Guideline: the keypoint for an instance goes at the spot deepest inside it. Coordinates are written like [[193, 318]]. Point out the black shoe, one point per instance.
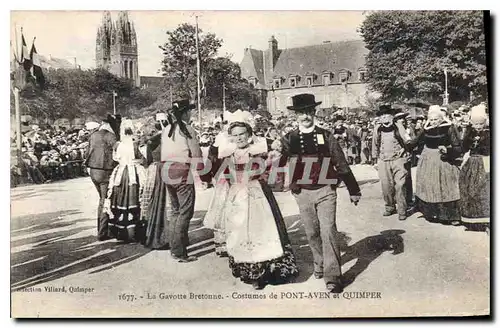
[[104, 238], [402, 217], [184, 259], [318, 275], [334, 287], [389, 212]]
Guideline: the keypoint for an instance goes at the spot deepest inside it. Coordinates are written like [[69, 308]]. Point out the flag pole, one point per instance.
[[198, 73], [445, 100], [18, 120], [17, 46], [114, 104], [223, 96]]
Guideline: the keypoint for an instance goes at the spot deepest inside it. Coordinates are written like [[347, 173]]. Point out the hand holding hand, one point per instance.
[[442, 149], [204, 185]]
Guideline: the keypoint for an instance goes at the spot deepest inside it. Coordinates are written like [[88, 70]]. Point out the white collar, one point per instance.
[[306, 130]]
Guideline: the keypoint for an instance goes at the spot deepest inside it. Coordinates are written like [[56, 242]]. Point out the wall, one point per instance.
[[332, 95]]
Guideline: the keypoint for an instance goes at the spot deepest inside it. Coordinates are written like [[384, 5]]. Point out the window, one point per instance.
[[309, 80], [252, 81], [344, 76], [362, 75], [277, 83], [293, 82], [326, 79]]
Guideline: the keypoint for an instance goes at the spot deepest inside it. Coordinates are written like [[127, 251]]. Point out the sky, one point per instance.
[[70, 34]]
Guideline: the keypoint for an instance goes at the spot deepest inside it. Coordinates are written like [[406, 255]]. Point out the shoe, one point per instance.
[[103, 238], [318, 275], [455, 223], [402, 217], [389, 212], [335, 288], [184, 259]]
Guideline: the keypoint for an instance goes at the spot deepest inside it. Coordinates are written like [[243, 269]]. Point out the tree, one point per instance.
[[72, 93], [408, 51], [222, 72], [179, 67], [179, 62]]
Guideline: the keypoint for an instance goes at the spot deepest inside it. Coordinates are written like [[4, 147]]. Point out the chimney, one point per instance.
[[76, 66], [273, 53]]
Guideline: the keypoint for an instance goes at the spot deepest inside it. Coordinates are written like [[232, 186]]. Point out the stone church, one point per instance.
[[116, 50]]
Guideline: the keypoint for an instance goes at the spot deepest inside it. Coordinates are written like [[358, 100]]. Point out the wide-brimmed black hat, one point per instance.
[[303, 101], [399, 115], [182, 105], [386, 109]]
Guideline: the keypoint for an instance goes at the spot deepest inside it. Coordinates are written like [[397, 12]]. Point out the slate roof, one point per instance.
[[253, 65], [316, 59]]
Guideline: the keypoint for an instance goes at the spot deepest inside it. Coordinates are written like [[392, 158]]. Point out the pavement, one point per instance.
[[394, 268]]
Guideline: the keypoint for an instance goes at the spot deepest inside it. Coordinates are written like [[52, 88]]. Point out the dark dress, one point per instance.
[[437, 192], [475, 180], [124, 223], [154, 199]]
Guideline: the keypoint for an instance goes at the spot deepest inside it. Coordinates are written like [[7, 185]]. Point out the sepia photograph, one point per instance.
[[250, 164]]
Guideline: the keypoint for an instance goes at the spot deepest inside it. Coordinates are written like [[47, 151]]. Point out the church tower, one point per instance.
[[116, 47]]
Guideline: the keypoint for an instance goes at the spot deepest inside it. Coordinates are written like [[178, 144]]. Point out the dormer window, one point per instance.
[[309, 80], [344, 76], [362, 74], [252, 81], [326, 79], [293, 80], [277, 83]]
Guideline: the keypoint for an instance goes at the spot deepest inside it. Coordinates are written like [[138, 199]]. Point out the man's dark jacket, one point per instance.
[[100, 151]]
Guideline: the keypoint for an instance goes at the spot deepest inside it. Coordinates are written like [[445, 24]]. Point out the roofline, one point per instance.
[[321, 44]]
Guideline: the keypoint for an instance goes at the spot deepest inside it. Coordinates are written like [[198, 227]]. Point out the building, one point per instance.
[[116, 47], [333, 71]]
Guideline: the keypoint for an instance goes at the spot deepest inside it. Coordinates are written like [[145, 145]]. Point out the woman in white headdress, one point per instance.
[[257, 243], [437, 192], [124, 189], [214, 219], [475, 174]]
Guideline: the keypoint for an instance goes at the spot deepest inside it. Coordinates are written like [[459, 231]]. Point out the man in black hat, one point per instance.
[[315, 187], [179, 146], [391, 153], [100, 164]]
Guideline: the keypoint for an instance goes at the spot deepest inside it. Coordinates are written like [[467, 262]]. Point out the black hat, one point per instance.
[[303, 101], [182, 105], [386, 109], [400, 115]]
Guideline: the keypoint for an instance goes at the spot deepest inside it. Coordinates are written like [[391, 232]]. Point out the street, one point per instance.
[[393, 268]]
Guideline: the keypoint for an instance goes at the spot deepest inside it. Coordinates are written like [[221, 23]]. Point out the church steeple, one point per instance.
[[116, 46]]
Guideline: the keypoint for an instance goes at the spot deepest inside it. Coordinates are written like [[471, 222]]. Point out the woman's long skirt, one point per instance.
[[155, 198], [257, 242], [214, 218], [437, 194], [125, 223], [475, 190]]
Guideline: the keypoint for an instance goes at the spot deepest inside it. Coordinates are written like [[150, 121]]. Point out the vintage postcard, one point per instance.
[[249, 164]]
